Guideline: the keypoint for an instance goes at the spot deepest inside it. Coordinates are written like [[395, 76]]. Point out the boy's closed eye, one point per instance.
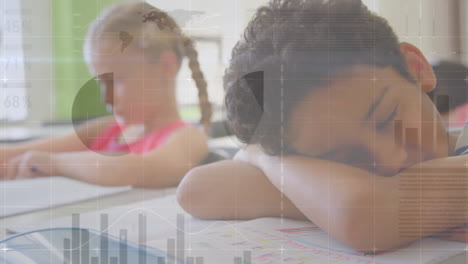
[[385, 124]]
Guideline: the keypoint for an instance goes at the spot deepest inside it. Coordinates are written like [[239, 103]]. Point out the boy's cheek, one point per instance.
[[300, 147]]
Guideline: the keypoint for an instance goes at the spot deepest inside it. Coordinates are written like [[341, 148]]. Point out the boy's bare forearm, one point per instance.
[[433, 193], [372, 212], [233, 190]]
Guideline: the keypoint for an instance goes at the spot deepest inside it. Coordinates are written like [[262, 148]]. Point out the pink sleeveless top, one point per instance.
[[461, 115], [107, 141]]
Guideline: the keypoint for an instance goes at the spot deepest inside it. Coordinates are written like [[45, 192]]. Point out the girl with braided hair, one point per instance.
[[136, 51]]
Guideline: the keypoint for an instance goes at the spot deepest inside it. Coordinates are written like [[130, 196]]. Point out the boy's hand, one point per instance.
[[30, 164]]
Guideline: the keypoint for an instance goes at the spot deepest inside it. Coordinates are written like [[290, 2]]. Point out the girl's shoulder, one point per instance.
[[92, 129], [174, 133]]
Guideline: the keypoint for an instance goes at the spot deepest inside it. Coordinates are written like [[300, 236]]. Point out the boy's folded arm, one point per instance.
[[369, 212], [232, 189]]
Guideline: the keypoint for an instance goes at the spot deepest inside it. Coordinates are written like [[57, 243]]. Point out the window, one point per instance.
[[14, 102], [210, 58], [373, 5]]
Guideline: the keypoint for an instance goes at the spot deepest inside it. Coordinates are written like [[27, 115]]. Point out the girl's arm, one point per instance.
[[232, 189], [369, 212], [78, 140], [162, 167]]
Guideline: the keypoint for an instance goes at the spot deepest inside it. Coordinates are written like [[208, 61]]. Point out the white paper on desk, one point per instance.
[[27, 195], [270, 240]]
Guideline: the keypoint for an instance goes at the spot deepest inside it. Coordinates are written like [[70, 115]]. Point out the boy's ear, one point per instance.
[[418, 66]]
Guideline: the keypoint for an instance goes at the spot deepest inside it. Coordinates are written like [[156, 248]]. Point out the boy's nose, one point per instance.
[[391, 159], [394, 163]]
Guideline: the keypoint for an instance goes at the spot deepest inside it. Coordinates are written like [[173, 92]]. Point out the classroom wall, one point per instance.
[[218, 18], [431, 25]]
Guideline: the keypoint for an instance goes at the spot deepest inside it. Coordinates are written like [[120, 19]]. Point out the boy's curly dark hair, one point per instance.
[[292, 46]]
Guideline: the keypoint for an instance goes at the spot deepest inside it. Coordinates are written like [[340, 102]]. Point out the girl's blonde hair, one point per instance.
[[154, 32]]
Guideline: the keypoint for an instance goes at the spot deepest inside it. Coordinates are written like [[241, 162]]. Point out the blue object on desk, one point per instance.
[[75, 245]]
